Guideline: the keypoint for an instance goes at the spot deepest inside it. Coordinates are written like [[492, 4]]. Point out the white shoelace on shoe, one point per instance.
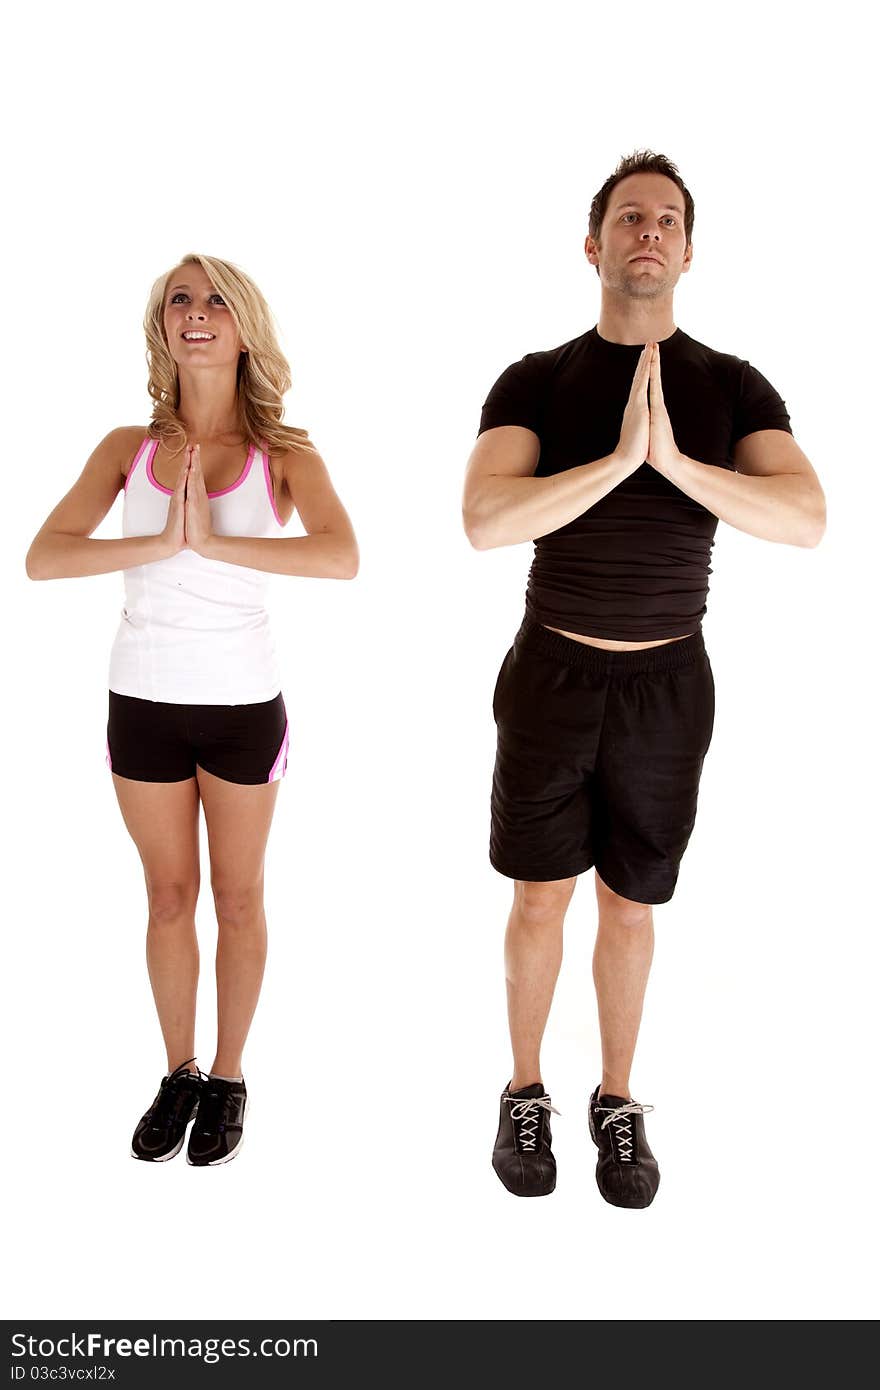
[[525, 1113], [618, 1115]]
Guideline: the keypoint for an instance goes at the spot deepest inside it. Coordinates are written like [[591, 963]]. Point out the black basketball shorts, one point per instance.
[[598, 762], [152, 741]]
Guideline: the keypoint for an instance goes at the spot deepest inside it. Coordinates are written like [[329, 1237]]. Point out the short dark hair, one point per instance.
[[640, 162]]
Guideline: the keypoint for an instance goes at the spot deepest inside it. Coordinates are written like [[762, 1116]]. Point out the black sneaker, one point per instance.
[[627, 1171], [161, 1132], [217, 1133], [522, 1157]]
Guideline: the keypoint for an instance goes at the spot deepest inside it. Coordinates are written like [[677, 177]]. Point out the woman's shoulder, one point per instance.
[[286, 456], [127, 441]]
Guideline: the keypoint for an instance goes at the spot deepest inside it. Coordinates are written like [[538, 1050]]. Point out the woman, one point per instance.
[[196, 712]]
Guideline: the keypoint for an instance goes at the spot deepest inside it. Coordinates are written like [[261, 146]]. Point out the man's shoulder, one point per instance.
[[692, 347], [546, 359]]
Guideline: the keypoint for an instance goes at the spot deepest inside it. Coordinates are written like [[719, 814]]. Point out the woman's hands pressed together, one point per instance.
[[199, 528], [189, 523], [174, 535]]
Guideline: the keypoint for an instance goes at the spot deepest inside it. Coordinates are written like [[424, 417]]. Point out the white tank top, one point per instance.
[[195, 631]]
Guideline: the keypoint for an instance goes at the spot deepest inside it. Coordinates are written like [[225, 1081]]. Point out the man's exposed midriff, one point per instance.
[[613, 646]]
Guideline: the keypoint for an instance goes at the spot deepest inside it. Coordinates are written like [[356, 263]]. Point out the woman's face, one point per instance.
[[200, 329]]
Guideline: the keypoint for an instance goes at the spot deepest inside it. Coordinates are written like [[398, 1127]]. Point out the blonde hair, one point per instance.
[[263, 371]]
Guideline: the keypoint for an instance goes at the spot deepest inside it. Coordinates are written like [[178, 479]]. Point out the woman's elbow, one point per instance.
[[348, 562], [34, 564]]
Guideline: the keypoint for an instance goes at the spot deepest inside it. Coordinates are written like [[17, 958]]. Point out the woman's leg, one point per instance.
[[163, 820], [238, 820]]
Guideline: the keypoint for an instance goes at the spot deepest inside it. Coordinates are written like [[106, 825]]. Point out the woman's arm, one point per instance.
[[63, 549], [328, 551]]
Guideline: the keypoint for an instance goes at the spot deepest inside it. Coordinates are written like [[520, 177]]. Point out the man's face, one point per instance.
[[644, 218]]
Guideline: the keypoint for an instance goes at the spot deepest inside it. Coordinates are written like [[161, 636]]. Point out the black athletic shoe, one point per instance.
[[627, 1171], [522, 1157], [161, 1132], [217, 1133]]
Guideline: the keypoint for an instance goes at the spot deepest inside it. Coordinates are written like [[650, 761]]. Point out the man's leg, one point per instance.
[[626, 1171], [621, 964], [523, 1158], [532, 957]]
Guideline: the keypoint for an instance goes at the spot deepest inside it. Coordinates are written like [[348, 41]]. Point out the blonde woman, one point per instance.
[[196, 714]]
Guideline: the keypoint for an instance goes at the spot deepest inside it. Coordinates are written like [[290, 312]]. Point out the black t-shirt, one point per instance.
[[635, 566]]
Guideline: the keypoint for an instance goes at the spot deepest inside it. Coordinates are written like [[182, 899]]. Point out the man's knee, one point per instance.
[[539, 904], [620, 911]]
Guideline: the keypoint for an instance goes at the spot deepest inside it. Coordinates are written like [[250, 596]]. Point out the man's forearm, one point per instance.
[[782, 507], [506, 511]]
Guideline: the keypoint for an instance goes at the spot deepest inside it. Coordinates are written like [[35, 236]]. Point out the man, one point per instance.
[[605, 703]]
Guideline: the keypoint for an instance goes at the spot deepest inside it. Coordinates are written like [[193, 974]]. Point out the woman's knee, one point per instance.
[[237, 903], [172, 900], [539, 904]]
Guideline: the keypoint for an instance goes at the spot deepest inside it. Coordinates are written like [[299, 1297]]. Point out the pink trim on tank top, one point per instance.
[[223, 491], [137, 458], [268, 476], [247, 468], [168, 491]]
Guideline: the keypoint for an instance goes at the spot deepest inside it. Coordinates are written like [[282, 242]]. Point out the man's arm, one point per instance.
[[774, 493], [505, 504]]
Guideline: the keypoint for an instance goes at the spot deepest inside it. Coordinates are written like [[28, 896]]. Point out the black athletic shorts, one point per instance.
[[151, 741], [598, 760]]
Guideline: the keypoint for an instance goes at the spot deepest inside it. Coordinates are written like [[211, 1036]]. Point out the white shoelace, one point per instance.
[[618, 1115], [524, 1112]]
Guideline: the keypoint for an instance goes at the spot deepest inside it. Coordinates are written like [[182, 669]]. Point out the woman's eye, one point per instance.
[[181, 295]]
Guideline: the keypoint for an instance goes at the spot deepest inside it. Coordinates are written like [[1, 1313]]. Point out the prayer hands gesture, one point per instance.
[[199, 529], [189, 511], [646, 432]]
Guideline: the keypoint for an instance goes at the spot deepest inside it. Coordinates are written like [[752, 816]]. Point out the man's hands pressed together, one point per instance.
[[646, 431], [662, 451]]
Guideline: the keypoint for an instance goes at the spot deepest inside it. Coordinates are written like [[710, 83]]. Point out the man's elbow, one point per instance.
[[817, 523], [476, 530]]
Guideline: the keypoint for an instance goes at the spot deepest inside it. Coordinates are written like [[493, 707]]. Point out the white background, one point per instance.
[[410, 187]]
